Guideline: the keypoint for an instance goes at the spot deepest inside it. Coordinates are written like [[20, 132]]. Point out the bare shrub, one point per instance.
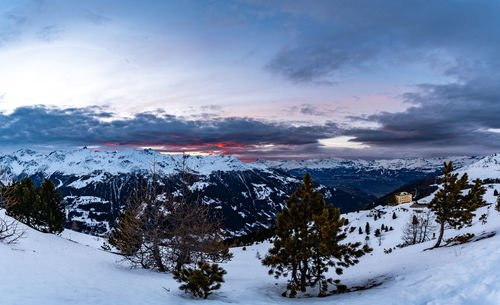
[[419, 228], [10, 232], [194, 236], [142, 229], [164, 232], [459, 239]]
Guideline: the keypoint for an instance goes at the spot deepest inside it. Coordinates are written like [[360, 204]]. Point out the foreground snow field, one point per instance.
[[71, 269]]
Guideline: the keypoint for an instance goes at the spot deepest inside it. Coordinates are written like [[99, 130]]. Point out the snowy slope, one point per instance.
[[486, 168], [47, 269]]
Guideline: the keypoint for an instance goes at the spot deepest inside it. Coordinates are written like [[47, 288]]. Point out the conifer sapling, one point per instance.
[[200, 281]]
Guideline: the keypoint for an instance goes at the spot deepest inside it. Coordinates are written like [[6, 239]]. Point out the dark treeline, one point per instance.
[[41, 207]]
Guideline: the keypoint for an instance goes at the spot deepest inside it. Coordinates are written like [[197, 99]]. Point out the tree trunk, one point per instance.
[[424, 231], [157, 258], [182, 259], [294, 273], [303, 277], [441, 231]]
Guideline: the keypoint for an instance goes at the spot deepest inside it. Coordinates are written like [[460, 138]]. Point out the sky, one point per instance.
[[256, 79]]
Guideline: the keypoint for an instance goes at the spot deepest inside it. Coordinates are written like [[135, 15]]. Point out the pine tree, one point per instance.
[[307, 242], [326, 234], [394, 215], [41, 208], [22, 201], [52, 213], [475, 196], [200, 281], [377, 233], [292, 248], [360, 230], [127, 236], [450, 206], [495, 193], [367, 228]]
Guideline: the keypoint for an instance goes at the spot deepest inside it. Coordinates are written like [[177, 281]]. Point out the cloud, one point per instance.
[[451, 118], [313, 110], [94, 126], [334, 37], [96, 18], [49, 33], [46, 21]]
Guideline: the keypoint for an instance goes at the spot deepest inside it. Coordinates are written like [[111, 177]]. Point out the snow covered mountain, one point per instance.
[[85, 161], [97, 184], [373, 177]]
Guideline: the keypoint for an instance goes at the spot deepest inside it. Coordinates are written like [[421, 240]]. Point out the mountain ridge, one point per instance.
[[411, 163]]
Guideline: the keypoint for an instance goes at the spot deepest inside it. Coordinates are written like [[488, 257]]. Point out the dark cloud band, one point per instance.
[[92, 126], [456, 118]]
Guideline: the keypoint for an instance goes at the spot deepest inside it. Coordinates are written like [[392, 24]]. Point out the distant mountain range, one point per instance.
[[247, 196], [370, 177]]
